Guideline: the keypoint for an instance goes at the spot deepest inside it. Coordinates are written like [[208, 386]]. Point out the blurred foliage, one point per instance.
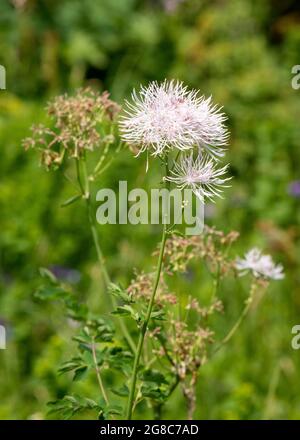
[[241, 52]]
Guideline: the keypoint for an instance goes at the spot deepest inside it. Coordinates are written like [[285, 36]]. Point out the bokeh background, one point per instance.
[[239, 51]]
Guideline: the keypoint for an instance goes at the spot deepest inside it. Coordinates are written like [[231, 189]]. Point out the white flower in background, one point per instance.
[[172, 5], [166, 115], [262, 266], [201, 175]]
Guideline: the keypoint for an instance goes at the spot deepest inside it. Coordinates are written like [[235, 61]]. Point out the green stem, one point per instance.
[[148, 314], [145, 326], [101, 386], [162, 343], [84, 184], [216, 283], [159, 408], [237, 324], [235, 327], [174, 385], [87, 196]]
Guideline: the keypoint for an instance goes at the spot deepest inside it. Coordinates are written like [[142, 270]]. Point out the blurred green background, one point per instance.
[[241, 52]]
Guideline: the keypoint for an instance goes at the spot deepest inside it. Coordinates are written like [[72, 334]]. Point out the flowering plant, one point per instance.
[[152, 342]]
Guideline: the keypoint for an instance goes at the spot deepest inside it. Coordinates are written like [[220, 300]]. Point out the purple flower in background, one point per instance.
[[171, 5], [66, 274], [294, 189]]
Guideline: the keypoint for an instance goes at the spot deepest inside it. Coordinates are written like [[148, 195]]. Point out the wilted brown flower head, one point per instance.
[[189, 347], [185, 345], [141, 287], [212, 245], [204, 312], [76, 125]]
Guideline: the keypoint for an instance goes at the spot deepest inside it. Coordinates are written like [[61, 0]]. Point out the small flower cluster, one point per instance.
[[167, 116], [185, 345], [212, 246], [204, 312], [141, 287], [187, 352], [76, 121], [188, 347]]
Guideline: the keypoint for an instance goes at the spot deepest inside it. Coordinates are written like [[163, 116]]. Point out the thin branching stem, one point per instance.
[[235, 327], [144, 328], [98, 373], [83, 180]]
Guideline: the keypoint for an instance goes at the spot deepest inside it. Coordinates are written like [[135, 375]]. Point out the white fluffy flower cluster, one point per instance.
[[199, 174], [168, 116], [262, 266]]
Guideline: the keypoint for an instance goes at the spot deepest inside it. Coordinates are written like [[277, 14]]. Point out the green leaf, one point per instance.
[[71, 200], [121, 310], [120, 360], [46, 273], [70, 365], [154, 376], [80, 373], [68, 406], [115, 410], [127, 310], [53, 289], [123, 391], [50, 292], [120, 293], [106, 411], [154, 392], [158, 315]]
